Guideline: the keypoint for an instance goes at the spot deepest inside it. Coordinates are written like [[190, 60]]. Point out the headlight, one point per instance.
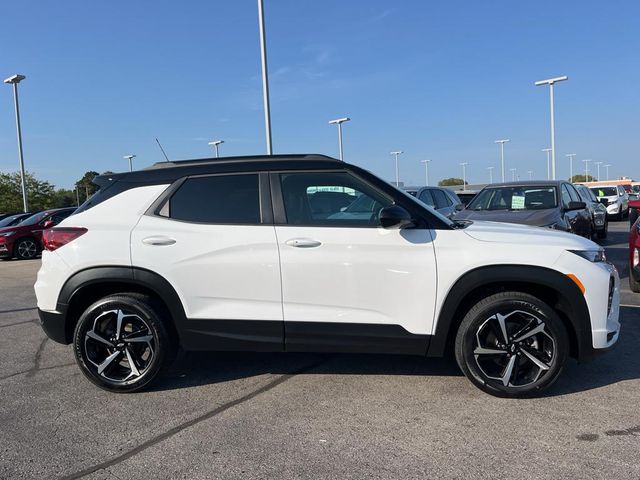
[[591, 255], [6, 234]]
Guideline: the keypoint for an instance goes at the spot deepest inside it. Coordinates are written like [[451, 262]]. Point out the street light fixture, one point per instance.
[[586, 169], [551, 82], [130, 158], [215, 145], [502, 142], [15, 80], [426, 171], [464, 175], [490, 174], [571, 155], [339, 122], [265, 77], [395, 154], [607, 167], [548, 150]]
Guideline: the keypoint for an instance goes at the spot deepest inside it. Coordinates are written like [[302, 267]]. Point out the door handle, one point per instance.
[[303, 243], [158, 241]]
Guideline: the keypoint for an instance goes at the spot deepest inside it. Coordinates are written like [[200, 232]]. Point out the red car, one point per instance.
[[634, 254], [24, 241]]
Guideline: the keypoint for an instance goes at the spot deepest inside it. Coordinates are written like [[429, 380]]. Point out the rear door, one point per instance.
[[347, 283], [213, 239]]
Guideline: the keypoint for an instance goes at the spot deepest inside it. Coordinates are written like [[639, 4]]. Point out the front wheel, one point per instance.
[[512, 344], [26, 249], [121, 342], [605, 231]]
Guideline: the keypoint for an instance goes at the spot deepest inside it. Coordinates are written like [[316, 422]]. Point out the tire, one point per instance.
[[26, 249], [512, 370], [602, 234], [129, 360], [634, 285]]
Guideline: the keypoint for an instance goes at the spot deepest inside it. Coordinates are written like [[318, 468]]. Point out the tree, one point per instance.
[[582, 178], [450, 182], [85, 185], [40, 194]]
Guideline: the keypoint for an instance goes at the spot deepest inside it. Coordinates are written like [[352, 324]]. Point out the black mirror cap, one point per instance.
[[604, 201], [394, 216], [460, 206], [576, 206]]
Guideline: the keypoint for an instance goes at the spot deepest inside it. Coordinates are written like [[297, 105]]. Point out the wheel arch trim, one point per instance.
[[570, 302], [123, 275]]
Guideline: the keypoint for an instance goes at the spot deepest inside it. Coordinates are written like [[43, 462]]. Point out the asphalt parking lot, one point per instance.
[[309, 416]]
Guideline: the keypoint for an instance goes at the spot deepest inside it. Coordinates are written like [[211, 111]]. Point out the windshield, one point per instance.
[[515, 198], [605, 191], [10, 220], [33, 219]]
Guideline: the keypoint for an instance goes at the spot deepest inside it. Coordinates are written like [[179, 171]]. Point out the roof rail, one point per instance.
[[246, 158]]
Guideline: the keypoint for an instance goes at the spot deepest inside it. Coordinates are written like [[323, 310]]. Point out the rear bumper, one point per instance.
[[54, 325]]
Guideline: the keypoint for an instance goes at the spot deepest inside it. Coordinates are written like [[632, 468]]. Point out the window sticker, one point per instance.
[[517, 202]]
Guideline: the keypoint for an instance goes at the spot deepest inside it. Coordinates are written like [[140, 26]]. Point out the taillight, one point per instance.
[[57, 237]]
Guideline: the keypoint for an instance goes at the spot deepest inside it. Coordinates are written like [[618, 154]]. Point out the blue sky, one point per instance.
[[439, 80]]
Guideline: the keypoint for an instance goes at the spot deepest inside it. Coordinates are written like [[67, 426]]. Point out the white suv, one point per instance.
[[264, 254]]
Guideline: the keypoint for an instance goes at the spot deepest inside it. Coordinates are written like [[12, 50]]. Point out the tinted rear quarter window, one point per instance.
[[224, 199]]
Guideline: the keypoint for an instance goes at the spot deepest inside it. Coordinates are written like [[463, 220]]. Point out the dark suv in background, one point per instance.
[[552, 204]]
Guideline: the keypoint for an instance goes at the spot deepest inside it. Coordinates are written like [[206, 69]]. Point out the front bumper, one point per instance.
[[5, 251], [54, 325]]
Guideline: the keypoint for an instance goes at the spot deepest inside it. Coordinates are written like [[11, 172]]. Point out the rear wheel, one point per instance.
[[26, 249], [512, 344], [121, 343]]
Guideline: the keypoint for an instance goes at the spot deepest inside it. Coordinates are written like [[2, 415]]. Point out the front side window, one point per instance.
[[331, 199], [515, 198], [222, 199]]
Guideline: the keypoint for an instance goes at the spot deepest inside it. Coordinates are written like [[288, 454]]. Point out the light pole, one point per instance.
[[551, 82], [464, 175], [215, 145], [265, 77], [502, 142], [597, 164], [130, 158], [586, 169], [607, 167], [530, 172], [571, 155], [395, 154], [548, 150], [339, 122], [426, 171], [15, 80], [490, 174], [513, 174]]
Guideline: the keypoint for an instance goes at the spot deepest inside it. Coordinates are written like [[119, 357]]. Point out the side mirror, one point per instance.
[[48, 224], [394, 216], [460, 207], [576, 206], [604, 201]]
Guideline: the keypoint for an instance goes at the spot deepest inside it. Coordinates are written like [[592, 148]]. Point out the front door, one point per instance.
[[347, 283]]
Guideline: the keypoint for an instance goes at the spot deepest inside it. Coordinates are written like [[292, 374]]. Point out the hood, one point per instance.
[[536, 218], [525, 235]]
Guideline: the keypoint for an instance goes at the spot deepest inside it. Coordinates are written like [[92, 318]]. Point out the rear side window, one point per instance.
[[442, 201], [425, 196], [225, 199]]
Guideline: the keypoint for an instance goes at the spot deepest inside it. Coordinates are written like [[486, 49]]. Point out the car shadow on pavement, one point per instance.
[[203, 368], [617, 246]]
